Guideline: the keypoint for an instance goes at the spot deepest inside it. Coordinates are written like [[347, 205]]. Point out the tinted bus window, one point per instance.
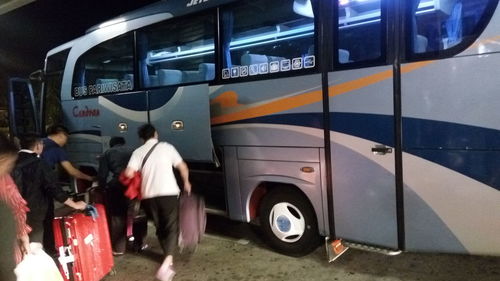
[[360, 31], [106, 68], [177, 51], [439, 25], [263, 37], [57, 62], [54, 70]]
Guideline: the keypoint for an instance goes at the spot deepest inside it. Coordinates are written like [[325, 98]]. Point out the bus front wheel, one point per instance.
[[288, 223]]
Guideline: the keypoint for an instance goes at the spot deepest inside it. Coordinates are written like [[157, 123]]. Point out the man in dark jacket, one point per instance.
[[37, 183], [111, 164]]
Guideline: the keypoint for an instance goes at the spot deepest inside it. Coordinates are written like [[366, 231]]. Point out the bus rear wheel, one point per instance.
[[288, 223]]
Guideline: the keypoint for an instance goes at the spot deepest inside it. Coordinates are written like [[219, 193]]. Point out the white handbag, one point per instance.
[[37, 266]]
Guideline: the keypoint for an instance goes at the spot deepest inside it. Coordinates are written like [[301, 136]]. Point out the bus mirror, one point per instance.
[[37, 76]]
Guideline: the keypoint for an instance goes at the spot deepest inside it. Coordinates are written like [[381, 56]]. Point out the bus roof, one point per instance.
[[176, 8]]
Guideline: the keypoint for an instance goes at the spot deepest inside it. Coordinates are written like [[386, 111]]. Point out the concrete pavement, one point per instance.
[[233, 252]]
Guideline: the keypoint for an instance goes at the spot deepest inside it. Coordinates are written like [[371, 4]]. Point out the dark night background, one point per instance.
[[29, 32]]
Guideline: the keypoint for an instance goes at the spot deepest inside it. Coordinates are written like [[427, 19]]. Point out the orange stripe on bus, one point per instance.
[[229, 99]]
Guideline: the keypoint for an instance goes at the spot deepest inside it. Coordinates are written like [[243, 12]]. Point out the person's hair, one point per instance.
[[116, 141], [29, 140], [146, 131], [7, 147], [56, 129]]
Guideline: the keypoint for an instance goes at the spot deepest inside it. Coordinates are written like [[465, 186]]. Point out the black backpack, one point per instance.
[[17, 174]]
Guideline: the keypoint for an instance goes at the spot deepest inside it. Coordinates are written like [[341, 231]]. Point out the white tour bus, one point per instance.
[[373, 123]]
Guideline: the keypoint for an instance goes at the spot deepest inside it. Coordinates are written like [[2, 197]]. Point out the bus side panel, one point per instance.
[[129, 109], [280, 117], [364, 192], [451, 144], [281, 165], [82, 118]]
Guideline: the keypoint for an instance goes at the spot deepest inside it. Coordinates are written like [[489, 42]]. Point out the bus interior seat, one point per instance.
[[344, 56], [190, 76], [248, 59], [129, 77], [100, 81], [273, 58], [207, 71], [169, 77], [303, 8], [446, 6], [153, 80], [453, 25], [420, 45]]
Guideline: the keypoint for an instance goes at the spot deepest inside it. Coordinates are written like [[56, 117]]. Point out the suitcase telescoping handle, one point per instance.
[[65, 257]]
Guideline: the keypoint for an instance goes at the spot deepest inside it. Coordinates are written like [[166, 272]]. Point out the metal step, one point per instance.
[[371, 248], [334, 248]]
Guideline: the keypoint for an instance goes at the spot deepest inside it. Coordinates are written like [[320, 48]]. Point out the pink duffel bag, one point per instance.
[[192, 220]]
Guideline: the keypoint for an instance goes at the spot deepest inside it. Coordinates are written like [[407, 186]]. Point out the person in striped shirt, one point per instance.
[[14, 242]]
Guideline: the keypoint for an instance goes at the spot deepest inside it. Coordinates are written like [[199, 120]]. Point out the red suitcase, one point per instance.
[[83, 245]]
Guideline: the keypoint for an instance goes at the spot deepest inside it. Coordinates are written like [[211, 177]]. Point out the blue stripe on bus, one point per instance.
[[132, 101], [160, 97], [87, 132], [469, 150], [368, 126], [137, 101]]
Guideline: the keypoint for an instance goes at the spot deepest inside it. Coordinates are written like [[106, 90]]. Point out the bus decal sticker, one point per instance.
[[85, 112], [195, 2], [296, 63], [254, 69], [274, 66], [225, 73], [243, 70], [309, 62], [235, 72], [103, 88], [285, 65], [263, 68]]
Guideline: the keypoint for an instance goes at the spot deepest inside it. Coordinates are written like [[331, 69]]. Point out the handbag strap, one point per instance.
[[147, 155]]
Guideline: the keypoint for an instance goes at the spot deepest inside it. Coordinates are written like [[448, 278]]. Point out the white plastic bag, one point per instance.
[[37, 266]]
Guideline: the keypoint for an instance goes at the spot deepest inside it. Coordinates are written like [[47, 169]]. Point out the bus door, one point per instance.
[[182, 117], [122, 114], [22, 108], [362, 129]]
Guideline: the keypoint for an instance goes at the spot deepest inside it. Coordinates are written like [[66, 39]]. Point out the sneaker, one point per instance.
[[118, 253]]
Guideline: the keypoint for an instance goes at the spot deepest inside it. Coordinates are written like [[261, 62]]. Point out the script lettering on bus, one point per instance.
[[195, 2], [102, 88], [85, 112]]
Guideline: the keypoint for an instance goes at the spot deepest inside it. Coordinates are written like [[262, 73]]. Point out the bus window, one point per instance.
[[261, 37], [360, 32], [177, 51], [54, 70], [106, 68], [438, 25]]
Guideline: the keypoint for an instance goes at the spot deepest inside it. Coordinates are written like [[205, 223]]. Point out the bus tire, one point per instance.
[[288, 223]]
